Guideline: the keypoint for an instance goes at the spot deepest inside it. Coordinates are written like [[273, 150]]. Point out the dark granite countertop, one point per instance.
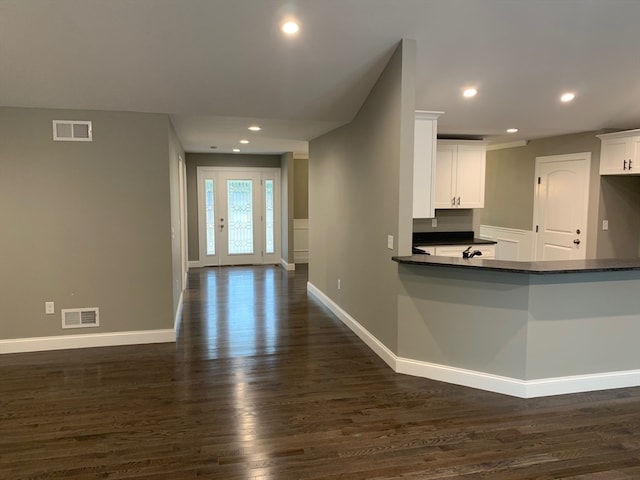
[[542, 267], [427, 239]]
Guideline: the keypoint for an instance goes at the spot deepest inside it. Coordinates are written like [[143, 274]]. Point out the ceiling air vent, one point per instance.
[[72, 131], [80, 317]]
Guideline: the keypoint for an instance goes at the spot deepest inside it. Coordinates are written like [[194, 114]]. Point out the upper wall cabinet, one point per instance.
[[460, 172], [620, 153], [424, 165]]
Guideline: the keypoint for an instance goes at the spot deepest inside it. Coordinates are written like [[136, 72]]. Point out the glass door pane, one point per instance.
[[240, 216], [209, 195], [269, 223]]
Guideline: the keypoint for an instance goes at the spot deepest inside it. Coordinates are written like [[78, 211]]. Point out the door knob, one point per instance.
[[577, 241]]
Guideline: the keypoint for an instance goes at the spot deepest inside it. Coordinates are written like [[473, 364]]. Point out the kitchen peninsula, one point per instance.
[[526, 329]]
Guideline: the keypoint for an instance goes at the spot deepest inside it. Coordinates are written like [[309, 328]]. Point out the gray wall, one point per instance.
[[301, 188], [195, 160], [510, 184], [85, 224], [454, 220], [359, 181]]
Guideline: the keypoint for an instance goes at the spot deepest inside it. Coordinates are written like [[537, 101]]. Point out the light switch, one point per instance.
[[605, 224], [390, 242], [49, 308], [434, 222]]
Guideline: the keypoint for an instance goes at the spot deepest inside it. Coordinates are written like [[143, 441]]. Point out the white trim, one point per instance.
[[460, 376], [582, 383], [502, 146], [38, 344], [287, 266], [372, 342], [480, 380], [194, 264], [178, 320]]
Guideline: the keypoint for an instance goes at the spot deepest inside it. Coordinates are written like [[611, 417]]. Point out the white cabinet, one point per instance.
[[620, 153], [460, 174], [426, 127], [488, 251]]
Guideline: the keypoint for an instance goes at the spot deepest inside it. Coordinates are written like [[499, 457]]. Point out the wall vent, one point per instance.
[[80, 317], [72, 131]]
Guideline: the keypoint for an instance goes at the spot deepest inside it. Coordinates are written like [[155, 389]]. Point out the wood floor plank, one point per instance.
[[264, 383]]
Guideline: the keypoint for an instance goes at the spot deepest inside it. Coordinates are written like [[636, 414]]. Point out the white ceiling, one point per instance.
[[217, 66]]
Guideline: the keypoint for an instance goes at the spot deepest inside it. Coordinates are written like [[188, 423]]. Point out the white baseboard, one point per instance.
[[480, 380], [63, 342], [194, 264], [372, 342], [287, 266]]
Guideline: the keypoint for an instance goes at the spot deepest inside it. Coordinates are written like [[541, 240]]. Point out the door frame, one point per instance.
[[274, 173], [580, 156]]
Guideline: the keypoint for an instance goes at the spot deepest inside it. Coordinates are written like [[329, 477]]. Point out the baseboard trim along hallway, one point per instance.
[[63, 342], [475, 379]]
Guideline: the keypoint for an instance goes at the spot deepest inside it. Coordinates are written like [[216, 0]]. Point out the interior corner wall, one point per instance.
[[354, 203], [175, 153], [301, 188], [195, 160], [510, 184], [85, 224]]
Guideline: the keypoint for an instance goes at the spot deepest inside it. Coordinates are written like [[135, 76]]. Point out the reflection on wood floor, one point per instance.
[[264, 383]]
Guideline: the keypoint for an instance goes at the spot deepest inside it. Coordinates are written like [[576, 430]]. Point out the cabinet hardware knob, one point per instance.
[[458, 201], [453, 201], [577, 241], [624, 164], [629, 164]]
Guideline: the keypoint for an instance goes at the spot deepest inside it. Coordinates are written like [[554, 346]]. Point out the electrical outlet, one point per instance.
[[605, 224], [390, 242], [49, 308], [434, 222]]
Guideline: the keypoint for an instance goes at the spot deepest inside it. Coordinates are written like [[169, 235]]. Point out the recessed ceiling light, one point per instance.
[[469, 92], [512, 130], [236, 150], [567, 97], [244, 141], [255, 128], [290, 27]]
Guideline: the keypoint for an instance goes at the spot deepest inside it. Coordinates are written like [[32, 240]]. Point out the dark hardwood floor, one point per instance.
[[264, 383]]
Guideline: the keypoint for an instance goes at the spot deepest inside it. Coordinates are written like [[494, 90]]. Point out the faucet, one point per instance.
[[470, 254]]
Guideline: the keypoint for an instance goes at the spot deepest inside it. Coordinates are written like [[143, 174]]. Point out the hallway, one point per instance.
[[264, 383]]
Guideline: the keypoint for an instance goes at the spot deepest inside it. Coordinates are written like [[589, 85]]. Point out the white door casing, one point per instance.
[[257, 246], [561, 206]]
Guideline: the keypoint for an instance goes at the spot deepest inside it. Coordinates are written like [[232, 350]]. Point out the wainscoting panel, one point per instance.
[[513, 244], [301, 240]]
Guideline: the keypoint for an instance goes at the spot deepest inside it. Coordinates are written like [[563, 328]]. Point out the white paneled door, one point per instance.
[[238, 217], [561, 206]]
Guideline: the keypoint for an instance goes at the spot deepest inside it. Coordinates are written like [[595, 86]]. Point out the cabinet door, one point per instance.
[[423, 167], [445, 178], [614, 156], [470, 176], [634, 166], [450, 251]]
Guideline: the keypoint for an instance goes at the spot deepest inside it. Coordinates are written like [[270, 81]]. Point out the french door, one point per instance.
[[238, 215]]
